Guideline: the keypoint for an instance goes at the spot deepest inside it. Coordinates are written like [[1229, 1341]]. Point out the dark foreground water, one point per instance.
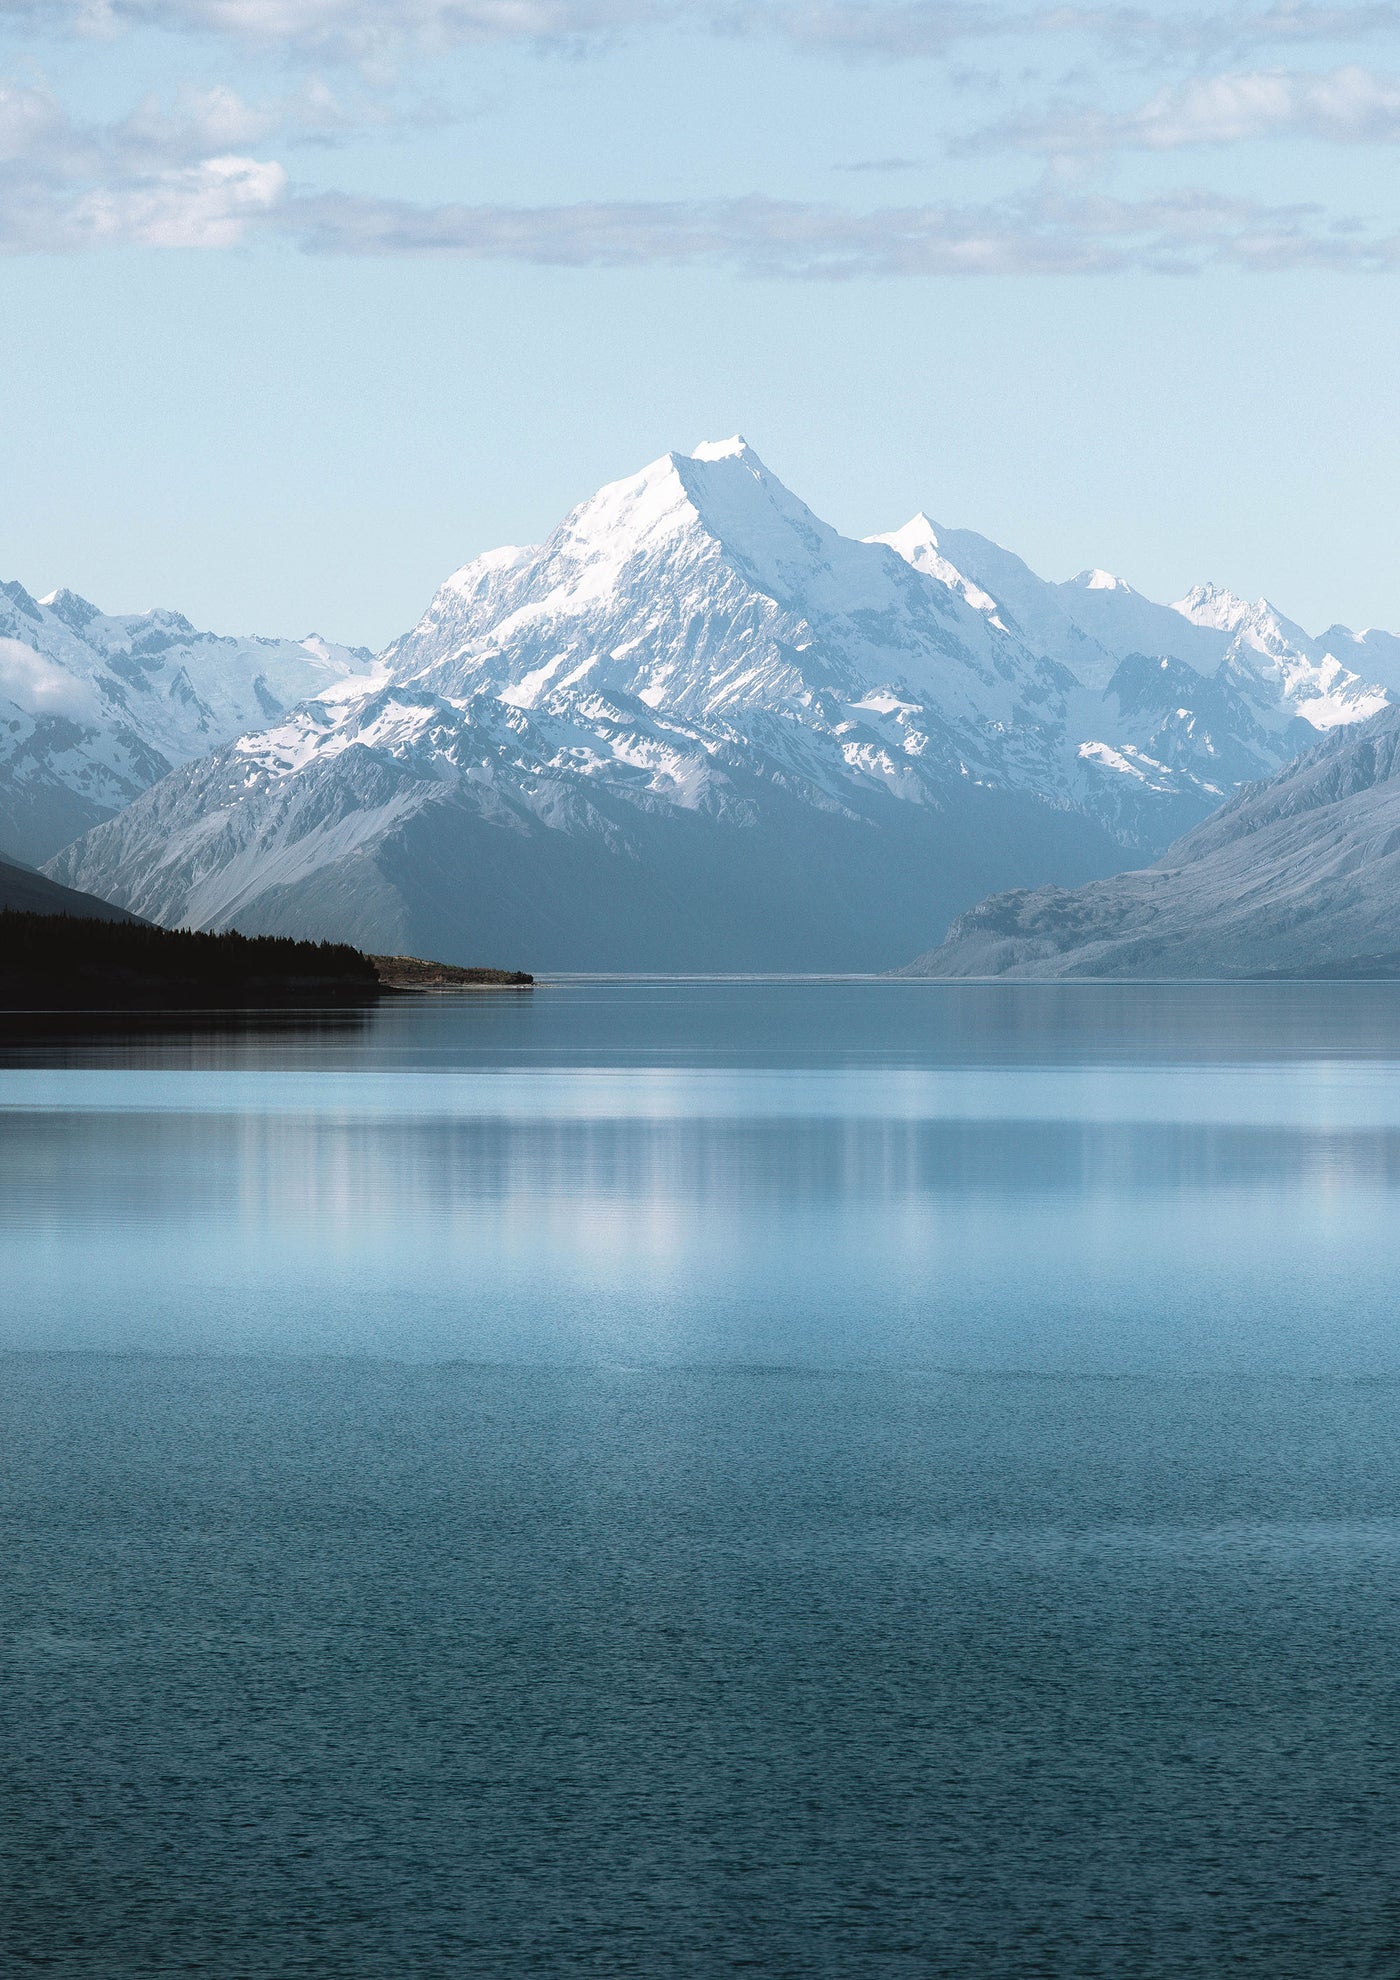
[[700, 1479]]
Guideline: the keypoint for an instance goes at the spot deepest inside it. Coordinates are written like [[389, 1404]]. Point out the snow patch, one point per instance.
[[735, 448]]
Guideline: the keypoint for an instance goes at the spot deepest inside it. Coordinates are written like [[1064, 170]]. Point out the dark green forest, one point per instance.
[[61, 961]]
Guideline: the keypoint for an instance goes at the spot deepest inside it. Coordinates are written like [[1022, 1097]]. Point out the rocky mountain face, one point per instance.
[[95, 709], [1297, 875], [699, 728], [585, 831]]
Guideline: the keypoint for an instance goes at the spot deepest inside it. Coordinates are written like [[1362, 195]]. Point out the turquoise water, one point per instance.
[[691, 1478]]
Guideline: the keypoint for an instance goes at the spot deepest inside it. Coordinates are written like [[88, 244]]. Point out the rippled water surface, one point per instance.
[[692, 1478]]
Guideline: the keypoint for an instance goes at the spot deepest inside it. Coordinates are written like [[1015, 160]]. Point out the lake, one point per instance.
[[694, 1477]]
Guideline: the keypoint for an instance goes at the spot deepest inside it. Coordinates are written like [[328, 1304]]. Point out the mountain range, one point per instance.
[[95, 709], [695, 728]]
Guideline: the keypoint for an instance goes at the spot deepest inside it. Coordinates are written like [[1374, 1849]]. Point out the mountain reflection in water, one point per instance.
[[837, 1478]]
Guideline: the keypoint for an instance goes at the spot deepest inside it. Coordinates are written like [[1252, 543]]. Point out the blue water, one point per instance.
[[692, 1478]]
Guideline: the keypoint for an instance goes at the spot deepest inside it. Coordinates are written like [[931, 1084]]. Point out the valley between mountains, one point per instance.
[[697, 728]]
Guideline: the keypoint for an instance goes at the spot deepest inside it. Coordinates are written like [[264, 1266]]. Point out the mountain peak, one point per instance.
[[1100, 581], [735, 448], [1216, 605], [919, 533], [917, 543], [74, 611]]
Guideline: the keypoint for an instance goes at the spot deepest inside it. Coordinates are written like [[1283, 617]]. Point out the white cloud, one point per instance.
[[890, 30], [153, 180], [1046, 233], [40, 686], [1162, 30], [1345, 106], [184, 174], [208, 205], [200, 121], [65, 188], [353, 29], [30, 120]]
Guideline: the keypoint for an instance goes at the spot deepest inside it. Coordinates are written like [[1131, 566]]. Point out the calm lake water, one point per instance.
[[699, 1478]]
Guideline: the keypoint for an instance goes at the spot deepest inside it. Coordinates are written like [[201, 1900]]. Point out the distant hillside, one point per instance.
[[33, 893], [1298, 876]]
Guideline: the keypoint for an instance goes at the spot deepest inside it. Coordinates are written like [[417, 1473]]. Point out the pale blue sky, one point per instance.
[[306, 301]]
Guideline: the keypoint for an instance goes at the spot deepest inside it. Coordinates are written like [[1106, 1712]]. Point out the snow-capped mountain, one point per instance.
[[996, 582], [703, 587], [1094, 622], [588, 831], [698, 727], [94, 709], [1374, 654]]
